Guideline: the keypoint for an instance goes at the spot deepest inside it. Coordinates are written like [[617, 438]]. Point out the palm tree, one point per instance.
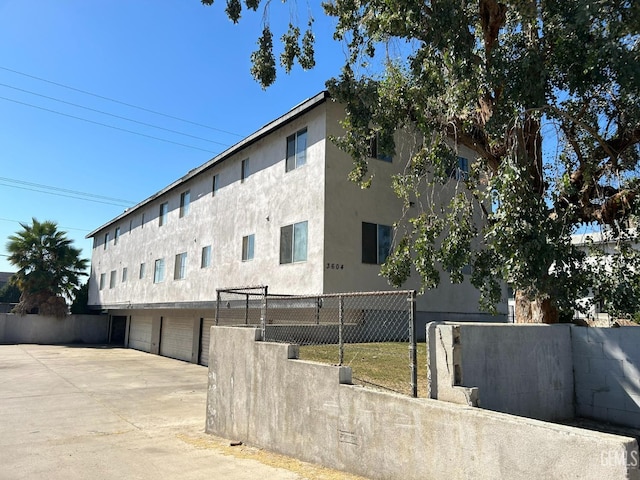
[[49, 268]]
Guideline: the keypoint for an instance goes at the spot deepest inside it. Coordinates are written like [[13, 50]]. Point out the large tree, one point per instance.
[[49, 268], [546, 94]]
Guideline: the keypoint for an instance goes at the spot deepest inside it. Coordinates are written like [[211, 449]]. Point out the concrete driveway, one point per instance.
[[110, 413]]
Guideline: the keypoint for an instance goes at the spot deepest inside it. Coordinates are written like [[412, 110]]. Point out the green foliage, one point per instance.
[[263, 63], [9, 293], [81, 300], [494, 80], [49, 266]]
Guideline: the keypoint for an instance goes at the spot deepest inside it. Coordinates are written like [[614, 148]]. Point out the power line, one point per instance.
[[67, 196], [64, 228], [75, 192], [119, 102], [112, 115], [106, 125]]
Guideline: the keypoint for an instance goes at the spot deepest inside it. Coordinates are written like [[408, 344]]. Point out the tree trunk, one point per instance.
[[535, 311]]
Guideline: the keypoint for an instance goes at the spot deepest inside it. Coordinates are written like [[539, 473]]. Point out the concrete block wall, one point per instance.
[[519, 369], [606, 363], [261, 394], [87, 329]]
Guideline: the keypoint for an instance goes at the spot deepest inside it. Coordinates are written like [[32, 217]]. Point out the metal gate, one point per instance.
[[140, 333], [176, 338], [207, 323]]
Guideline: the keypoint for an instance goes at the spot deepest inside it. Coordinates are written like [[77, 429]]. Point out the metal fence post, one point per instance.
[[217, 307], [340, 325], [413, 344], [263, 313]]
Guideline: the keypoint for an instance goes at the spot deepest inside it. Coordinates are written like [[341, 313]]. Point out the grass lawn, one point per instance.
[[385, 365]]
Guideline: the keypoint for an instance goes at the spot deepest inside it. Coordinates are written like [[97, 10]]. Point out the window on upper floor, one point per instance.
[[124, 274], [244, 170], [142, 221], [158, 271], [459, 170], [296, 150], [130, 225], [112, 279], [215, 185], [103, 279], [376, 152], [248, 244], [185, 199], [293, 243], [163, 214], [116, 236], [180, 266], [205, 259], [106, 240], [376, 243], [142, 271]]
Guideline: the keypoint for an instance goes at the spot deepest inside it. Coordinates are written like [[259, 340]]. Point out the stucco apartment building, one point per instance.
[[275, 209]]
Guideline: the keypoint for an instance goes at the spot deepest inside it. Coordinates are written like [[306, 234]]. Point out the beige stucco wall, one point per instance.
[[267, 200], [348, 205]]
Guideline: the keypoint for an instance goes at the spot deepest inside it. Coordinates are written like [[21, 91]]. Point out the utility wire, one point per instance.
[[106, 125], [67, 196], [59, 189], [113, 115], [119, 102], [26, 223]]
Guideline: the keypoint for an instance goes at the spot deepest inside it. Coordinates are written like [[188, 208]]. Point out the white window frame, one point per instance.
[[112, 279], [106, 240], [103, 280], [125, 272], [116, 235], [141, 272]]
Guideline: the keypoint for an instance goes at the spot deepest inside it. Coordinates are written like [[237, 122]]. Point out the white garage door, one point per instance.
[[176, 338], [140, 333], [204, 340]]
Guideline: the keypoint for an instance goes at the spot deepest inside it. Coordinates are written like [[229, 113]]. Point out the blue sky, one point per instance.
[[175, 57]]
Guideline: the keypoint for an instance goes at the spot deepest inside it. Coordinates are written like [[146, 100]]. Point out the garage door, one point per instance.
[[204, 340], [140, 333], [176, 338]]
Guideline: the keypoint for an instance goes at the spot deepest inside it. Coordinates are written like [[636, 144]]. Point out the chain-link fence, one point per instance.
[[373, 333]]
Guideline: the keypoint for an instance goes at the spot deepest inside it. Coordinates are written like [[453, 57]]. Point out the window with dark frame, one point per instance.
[[376, 243], [296, 150], [375, 150], [180, 267], [205, 259], [248, 245], [244, 170], [215, 185], [164, 211], [158, 271], [185, 200], [293, 243]]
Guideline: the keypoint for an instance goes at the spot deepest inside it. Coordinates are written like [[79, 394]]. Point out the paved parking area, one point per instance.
[[109, 413]]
